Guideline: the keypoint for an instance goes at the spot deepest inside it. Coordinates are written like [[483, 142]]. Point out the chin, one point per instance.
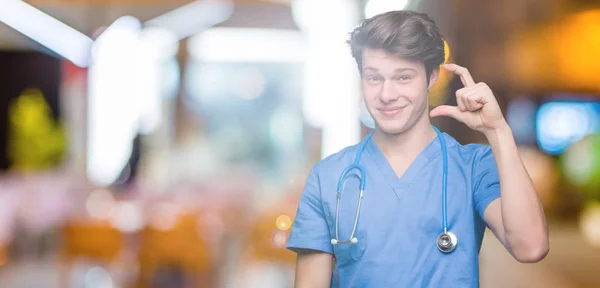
[[392, 126]]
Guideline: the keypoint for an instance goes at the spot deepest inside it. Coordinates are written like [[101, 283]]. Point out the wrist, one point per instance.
[[501, 132]]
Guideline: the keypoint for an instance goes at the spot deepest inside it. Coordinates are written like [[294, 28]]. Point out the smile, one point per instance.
[[392, 111]]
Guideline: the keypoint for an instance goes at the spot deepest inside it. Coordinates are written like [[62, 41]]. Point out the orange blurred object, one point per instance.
[[563, 55], [3, 259], [438, 93], [95, 240], [179, 245], [271, 231]]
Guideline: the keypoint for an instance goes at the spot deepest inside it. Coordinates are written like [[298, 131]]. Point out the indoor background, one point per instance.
[[165, 143]]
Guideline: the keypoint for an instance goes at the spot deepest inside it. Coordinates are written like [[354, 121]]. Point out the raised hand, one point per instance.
[[477, 106]]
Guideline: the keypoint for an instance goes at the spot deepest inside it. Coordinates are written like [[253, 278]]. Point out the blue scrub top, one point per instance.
[[400, 218]]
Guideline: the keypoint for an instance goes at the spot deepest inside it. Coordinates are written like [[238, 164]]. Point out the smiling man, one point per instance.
[[426, 200]]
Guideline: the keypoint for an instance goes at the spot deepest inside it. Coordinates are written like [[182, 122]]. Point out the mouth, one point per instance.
[[391, 111]]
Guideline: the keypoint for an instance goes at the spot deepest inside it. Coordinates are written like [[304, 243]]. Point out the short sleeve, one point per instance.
[[310, 229], [486, 182]]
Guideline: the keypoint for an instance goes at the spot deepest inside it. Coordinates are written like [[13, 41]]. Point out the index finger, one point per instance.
[[464, 74]]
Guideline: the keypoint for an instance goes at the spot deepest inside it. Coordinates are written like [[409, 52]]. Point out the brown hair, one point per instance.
[[403, 33]]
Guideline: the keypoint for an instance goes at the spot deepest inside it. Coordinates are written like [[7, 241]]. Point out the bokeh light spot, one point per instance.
[[279, 238], [283, 222], [590, 224]]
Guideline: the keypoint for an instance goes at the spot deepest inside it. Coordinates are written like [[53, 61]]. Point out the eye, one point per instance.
[[404, 78], [373, 79]]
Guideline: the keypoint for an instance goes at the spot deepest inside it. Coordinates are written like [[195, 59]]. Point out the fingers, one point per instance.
[[471, 98], [464, 74], [449, 111], [460, 99]]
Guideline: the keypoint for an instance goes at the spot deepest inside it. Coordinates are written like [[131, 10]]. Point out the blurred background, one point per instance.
[[165, 143]]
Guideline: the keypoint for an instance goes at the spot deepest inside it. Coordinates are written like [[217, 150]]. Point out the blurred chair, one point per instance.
[[266, 262], [271, 231], [95, 241], [178, 247], [267, 242]]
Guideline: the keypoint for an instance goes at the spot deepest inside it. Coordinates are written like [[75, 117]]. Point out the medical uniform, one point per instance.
[[400, 218]]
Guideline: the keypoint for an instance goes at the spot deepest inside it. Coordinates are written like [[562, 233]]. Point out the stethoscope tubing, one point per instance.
[[446, 241]]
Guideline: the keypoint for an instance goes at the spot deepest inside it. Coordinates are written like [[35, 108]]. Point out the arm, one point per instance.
[[313, 269], [517, 218], [310, 238]]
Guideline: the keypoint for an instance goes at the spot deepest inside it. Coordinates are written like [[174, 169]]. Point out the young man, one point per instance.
[[401, 214]]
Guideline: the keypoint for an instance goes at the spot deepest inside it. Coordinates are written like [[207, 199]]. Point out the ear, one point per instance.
[[433, 77]]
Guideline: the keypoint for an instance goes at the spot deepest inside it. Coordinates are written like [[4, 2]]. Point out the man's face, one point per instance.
[[394, 90]]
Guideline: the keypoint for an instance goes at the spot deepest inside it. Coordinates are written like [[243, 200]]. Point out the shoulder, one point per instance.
[[321, 173], [473, 153], [333, 162], [477, 163]]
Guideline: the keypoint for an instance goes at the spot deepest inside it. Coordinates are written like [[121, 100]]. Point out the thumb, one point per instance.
[[446, 110]]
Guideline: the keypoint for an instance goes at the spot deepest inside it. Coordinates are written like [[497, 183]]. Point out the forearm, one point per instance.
[[523, 216]]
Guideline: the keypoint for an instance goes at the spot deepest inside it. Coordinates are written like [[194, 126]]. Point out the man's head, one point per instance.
[[398, 54]]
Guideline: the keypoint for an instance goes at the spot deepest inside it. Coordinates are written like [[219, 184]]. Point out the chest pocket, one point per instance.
[[345, 253]]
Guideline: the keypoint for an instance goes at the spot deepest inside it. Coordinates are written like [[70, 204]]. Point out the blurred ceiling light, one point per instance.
[[331, 94], [375, 7], [247, 45], [126, 86], [194, 17], [125, 28], [158, 43], [46, 30], [114, 112], [156, 47]]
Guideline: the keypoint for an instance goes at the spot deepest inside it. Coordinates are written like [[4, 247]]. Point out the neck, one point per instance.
[[408, 144]]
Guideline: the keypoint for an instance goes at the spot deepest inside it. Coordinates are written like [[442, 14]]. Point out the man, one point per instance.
[[398, 55]]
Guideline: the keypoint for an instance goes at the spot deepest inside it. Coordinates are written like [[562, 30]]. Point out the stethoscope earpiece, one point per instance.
[[353, 241], [446, 242]]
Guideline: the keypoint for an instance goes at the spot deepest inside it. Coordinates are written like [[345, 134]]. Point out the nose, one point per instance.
[[388, 94]]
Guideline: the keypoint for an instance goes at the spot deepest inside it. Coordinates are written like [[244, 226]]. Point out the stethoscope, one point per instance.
[[446, 241]]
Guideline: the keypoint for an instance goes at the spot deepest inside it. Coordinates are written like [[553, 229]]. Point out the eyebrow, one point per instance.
[[397, 70]]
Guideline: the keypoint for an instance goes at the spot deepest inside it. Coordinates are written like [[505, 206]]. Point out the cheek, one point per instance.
[[369, 95], [416, 94]]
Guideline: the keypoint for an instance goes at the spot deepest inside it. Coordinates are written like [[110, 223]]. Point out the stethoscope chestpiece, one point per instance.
[[446, 242]]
